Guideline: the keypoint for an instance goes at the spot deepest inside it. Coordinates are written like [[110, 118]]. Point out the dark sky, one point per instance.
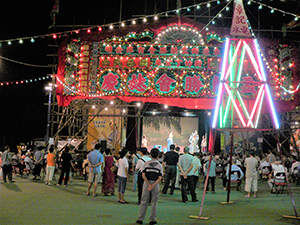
[[23, 115]]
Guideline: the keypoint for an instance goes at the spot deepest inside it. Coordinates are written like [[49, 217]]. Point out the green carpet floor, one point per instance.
[[32, 202]]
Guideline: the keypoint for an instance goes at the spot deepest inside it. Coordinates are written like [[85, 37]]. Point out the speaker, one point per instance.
[[103, 145]]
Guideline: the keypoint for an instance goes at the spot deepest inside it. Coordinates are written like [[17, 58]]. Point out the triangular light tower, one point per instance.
[[243, 87]]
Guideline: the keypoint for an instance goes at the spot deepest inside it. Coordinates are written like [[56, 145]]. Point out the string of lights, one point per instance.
[[26, 81], [144, 19]]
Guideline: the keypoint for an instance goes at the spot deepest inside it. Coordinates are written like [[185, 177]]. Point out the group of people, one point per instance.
[[149, 170]]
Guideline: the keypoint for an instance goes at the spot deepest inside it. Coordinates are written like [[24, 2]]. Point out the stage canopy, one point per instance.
[[174, 61]]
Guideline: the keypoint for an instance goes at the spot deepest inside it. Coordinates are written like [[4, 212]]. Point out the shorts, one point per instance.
[[122, 184], [94, 177]]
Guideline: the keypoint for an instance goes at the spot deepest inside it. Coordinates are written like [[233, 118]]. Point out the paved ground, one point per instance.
[[32, 202]]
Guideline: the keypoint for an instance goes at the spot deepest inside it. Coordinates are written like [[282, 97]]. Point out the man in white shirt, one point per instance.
[[277, 167]]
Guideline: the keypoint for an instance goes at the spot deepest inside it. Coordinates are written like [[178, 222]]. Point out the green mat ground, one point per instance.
[[32, 202]]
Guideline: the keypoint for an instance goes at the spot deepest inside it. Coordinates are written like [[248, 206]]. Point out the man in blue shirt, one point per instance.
[[95, 159]]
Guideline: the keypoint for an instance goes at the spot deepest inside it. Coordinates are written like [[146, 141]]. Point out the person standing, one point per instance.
[[66, 164], [108, 184], [136, 157], [7, 165], [95, 160], [38, 162], [152, 174], [144, 158], [170, 165], [50, 166], [122, 173], [196, 169], [251, 165], [185, 166], [211, 175]]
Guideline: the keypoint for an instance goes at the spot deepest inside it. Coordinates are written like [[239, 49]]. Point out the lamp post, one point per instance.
[[48, 88]]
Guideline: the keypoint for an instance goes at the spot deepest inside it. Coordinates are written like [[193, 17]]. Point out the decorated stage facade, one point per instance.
[[174, 61]]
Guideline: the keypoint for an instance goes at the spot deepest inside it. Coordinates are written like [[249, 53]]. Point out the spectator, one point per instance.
[[277, 167], [251, 165], [50, 166], [234, 176], [95, 160], [170, 169], [108, 184], [122, 173], [185, 166], [211, 176], [38, 162], [152, 174], [144, 158], [66, 163], [6, 165]]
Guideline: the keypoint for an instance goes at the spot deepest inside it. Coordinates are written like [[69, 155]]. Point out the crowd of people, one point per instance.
[[173, 169]]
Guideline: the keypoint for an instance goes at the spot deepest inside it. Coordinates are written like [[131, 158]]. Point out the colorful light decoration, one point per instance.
[[232, 83]]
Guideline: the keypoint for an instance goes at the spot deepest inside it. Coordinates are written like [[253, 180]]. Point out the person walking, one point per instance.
[[185, 166], [65, 161], [170, 165], [50, 167], [95, 160], [152, 174], [7, 165], [144, 158], [251, 165]]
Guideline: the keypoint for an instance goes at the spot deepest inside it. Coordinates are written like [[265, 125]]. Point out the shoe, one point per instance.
[[153, 222], [124, 202], [246, 196], [49, 184], [171, 193], [184, 201], [46, 183], [138, 203], [94, 195], [12, 181], [87, 194], [213, 192], [4, 182], [139, 222], [195, 200], [57, 184]]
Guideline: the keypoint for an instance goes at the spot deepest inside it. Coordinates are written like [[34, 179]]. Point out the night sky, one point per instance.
[[23, 115]]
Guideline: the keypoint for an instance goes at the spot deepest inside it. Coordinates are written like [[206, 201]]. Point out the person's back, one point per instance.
[[251, 164]]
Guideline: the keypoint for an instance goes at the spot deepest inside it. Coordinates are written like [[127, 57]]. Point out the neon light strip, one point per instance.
[[220, 90], [233, 59], [259, 60], [276, 123], [258, 98], [225, 58], [259, 110], [269, 97], [235, 106], [253, 60], [244, 107]]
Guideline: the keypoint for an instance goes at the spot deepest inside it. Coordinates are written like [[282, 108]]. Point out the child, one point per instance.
[[152, 174]]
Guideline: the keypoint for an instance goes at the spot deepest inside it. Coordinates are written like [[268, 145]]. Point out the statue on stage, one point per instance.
[[194, 137]]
